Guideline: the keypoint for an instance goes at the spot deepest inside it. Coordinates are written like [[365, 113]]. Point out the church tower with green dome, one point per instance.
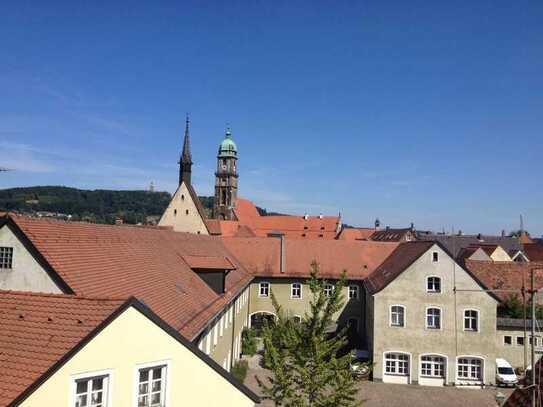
[[226, 179]]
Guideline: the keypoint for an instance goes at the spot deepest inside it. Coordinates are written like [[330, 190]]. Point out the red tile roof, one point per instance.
[[104, 260], [395, 264], [261, 256], [209, 262], [38, 330], [505, 274], [534, 251], [356, 234], [310, 227]]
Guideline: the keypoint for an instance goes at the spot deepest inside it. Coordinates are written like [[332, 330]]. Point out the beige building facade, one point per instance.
[[184, 213], [24, 273], [294, 295], [118, 355], [422, 330], [513, 346]]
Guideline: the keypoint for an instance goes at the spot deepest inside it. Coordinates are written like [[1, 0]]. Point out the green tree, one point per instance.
[[305, 362]]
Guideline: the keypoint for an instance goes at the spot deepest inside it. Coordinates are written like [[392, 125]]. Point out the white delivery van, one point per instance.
[[505, 374]]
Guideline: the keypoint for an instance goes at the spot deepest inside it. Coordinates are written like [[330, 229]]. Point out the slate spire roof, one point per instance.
[[186, 156]]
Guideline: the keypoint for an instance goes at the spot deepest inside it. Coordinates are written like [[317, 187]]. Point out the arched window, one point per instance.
[[397, 315], [469, 368], [432, 366], [397, 363], [433, 318], [433, 284]]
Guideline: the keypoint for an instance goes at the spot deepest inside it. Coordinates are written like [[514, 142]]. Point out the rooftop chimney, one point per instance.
[[320, 215], [306, 216]]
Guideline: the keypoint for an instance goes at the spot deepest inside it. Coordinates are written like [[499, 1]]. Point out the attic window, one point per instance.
[[322, 227], [182, 197], [175, 212], [6, 258], [186, 212], [435, 257]]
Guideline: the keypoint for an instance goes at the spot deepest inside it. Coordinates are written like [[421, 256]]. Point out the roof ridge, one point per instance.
[[62, 295]]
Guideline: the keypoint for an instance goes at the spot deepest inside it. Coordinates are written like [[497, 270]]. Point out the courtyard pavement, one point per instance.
[[398, 395]]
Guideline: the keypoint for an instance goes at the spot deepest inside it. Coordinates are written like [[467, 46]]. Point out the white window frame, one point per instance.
[[167, 382], [356, 290], [433, 364], [482, 379], [9, 253], [434, 291], [108, 374], [292, 291], [409, 364], [464, 320], [432, 328], [404, 316], [261, 285], [328, 289]]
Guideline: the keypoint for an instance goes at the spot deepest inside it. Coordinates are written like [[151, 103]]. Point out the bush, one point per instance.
[[239, 370], [248, 342]]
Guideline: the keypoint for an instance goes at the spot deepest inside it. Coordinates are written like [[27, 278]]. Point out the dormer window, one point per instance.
[[6, 258]]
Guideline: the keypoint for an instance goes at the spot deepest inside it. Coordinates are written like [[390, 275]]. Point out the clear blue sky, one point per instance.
[[411, 111]]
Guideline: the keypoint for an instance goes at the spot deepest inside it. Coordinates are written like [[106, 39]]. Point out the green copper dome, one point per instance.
[[228, 148]]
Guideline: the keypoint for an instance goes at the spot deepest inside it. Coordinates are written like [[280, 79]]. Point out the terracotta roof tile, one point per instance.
[[261, 256], [356, 234], [534, 251], [310, 227], [392, 235], [104, 260], [209, 262], [38, 330], [505, 274]]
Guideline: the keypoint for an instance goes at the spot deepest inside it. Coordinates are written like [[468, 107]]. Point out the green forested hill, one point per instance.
[[101, 206]]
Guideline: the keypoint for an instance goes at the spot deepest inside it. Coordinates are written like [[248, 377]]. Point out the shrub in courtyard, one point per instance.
[[248, 342], [306, 363], [239, 370]]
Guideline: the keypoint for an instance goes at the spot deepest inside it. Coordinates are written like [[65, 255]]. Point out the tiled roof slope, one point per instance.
[[355, 233], [104, 260], [400, 259], [261, 256], [38, 330], [534, 251], [312, 227], [505, 274]]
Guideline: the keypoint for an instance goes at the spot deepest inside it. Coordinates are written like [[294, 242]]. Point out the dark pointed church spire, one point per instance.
[[185, 161]]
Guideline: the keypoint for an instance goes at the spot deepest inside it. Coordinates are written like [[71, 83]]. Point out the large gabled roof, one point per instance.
[[41, 332], [105, 260], [261, 256]]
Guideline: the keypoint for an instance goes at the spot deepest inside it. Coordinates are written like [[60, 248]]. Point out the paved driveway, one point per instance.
[[400, 395]]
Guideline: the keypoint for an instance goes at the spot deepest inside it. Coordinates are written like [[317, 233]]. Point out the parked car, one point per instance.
[[505, 374], [360, 363]]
